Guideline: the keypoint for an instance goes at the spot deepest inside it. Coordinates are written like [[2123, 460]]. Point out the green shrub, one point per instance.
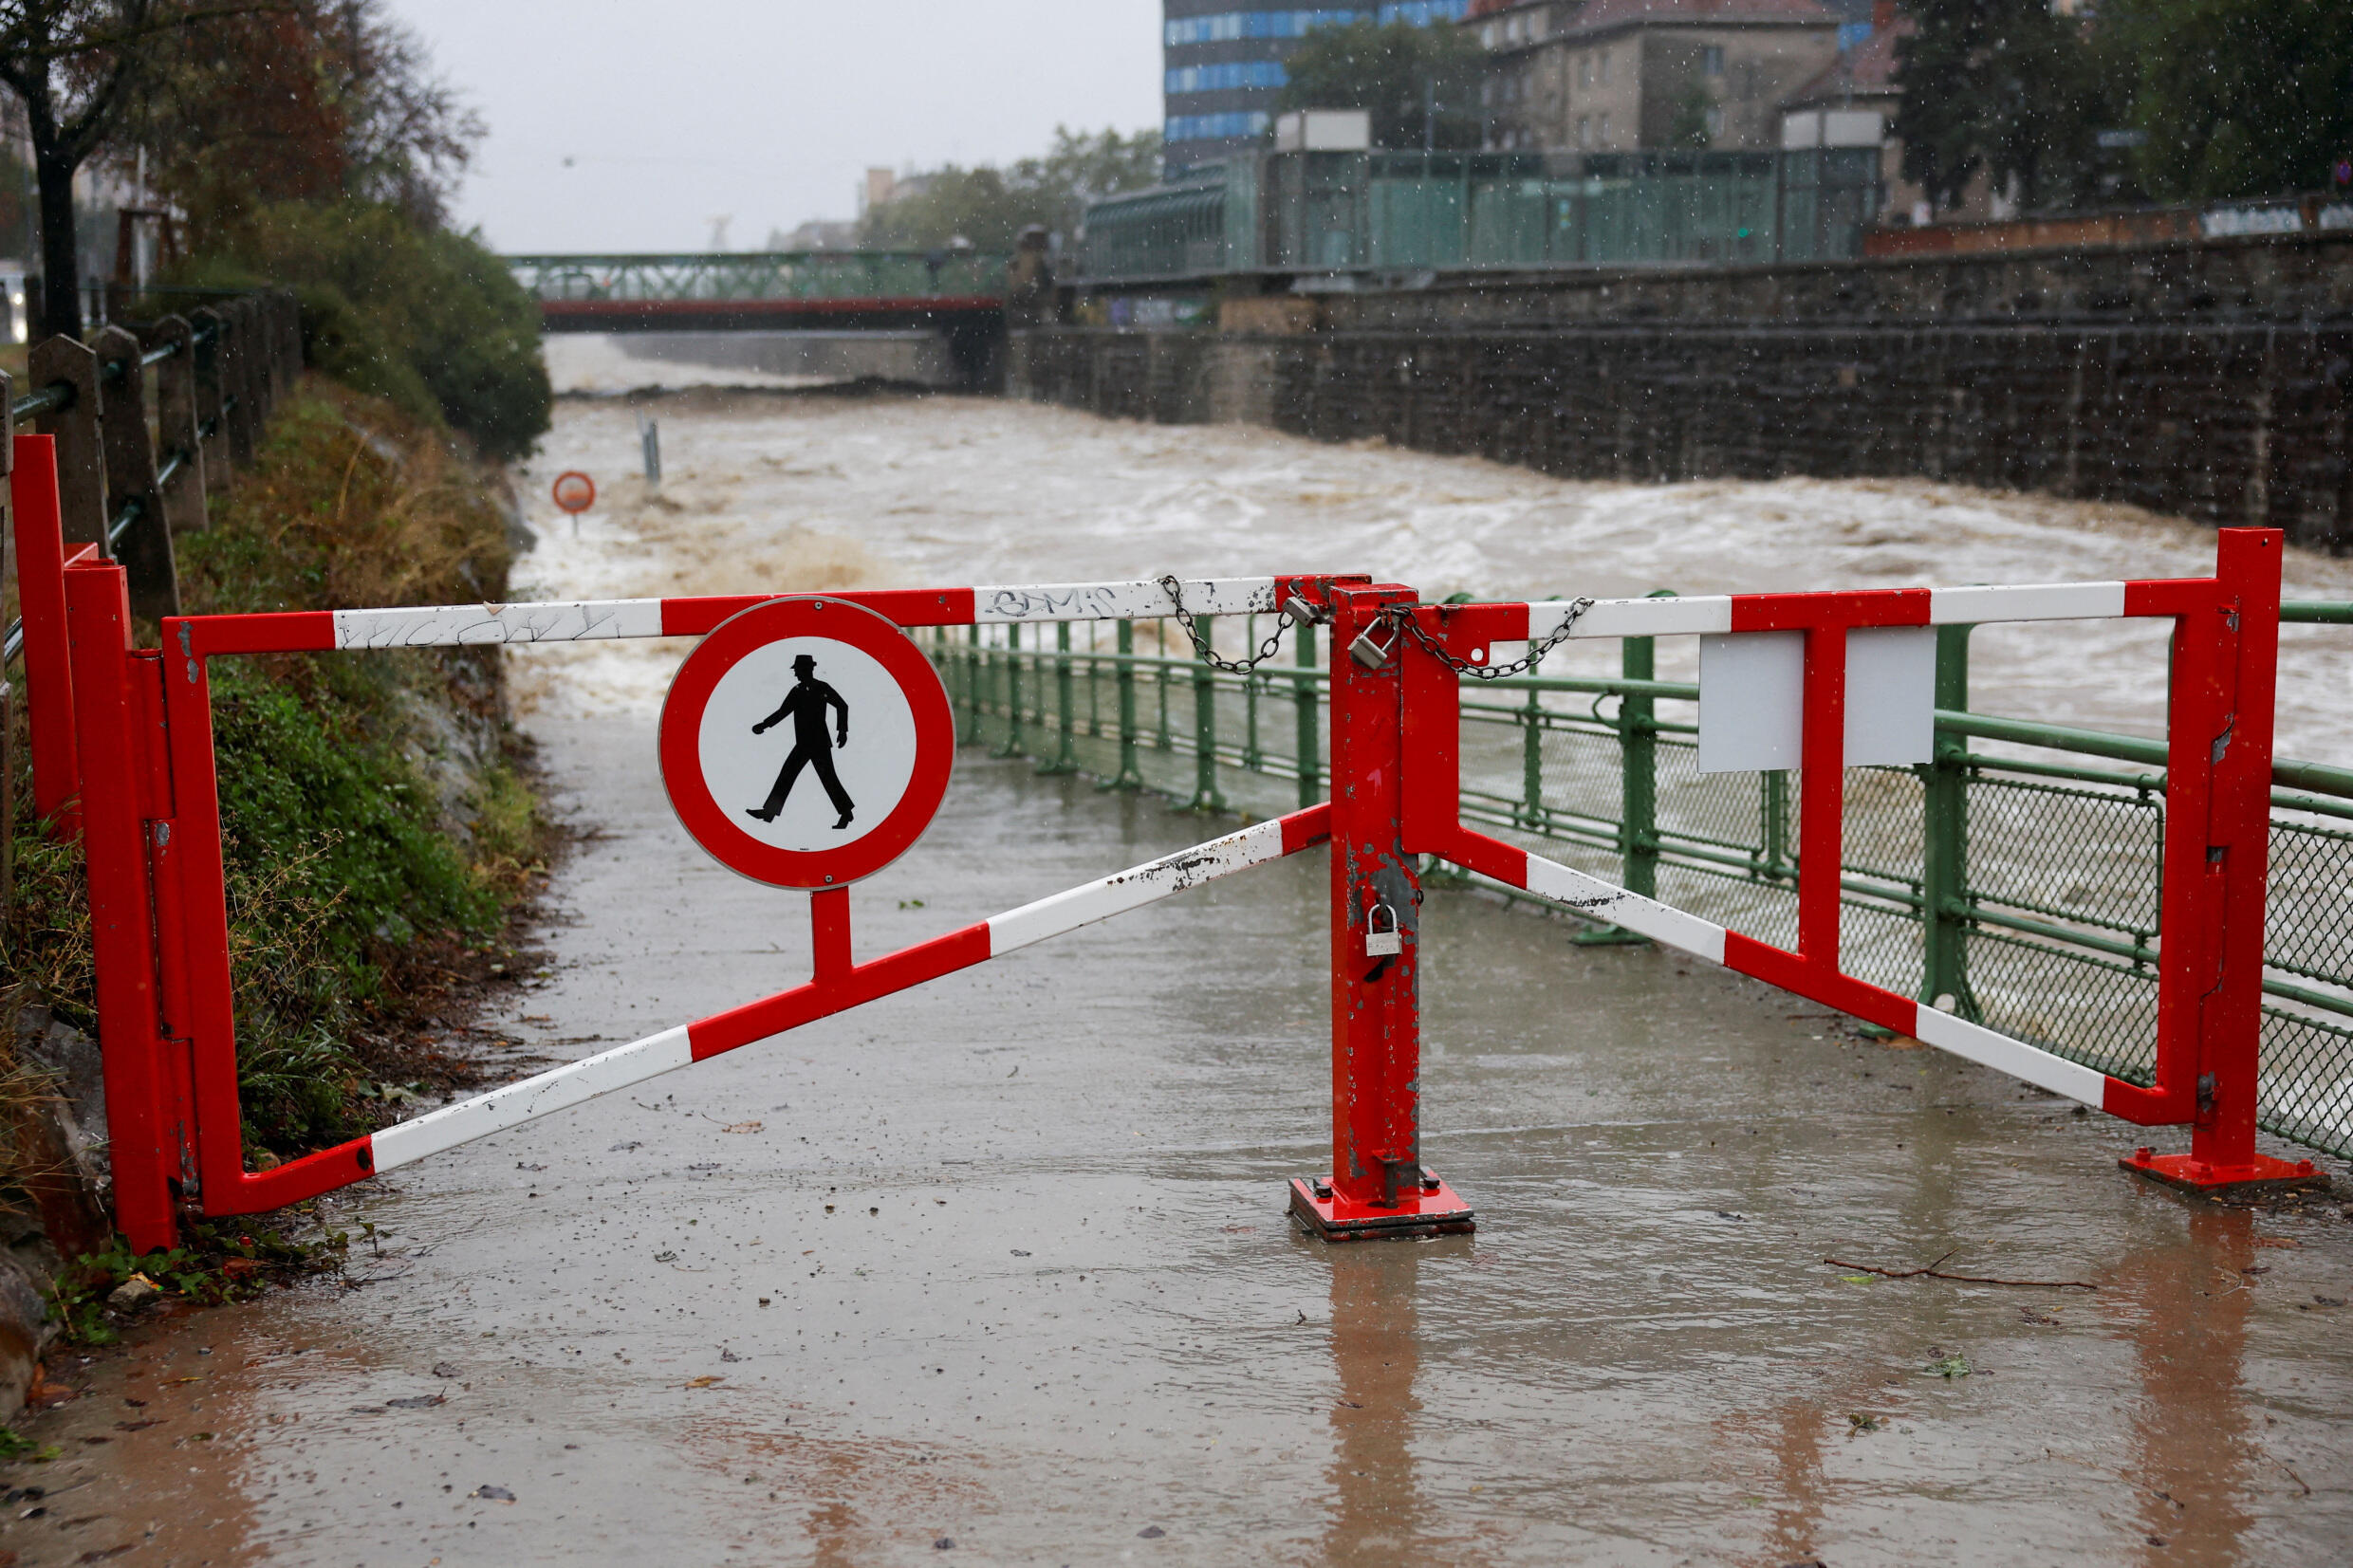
[[429, 320]]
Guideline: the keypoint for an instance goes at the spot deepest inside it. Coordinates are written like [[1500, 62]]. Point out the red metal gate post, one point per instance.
[[49, 666], [1378, 1187], [111, 715], [2218, 872]]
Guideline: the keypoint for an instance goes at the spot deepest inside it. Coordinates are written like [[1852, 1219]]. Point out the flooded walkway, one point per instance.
[[997, 1271]]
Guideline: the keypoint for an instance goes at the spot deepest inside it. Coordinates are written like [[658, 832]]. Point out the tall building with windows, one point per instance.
[[1224, 63]]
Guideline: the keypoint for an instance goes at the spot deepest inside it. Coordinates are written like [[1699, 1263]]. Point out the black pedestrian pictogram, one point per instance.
[[811, 747]]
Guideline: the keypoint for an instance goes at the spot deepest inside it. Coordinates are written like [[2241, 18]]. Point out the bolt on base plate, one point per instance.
[[1433, 1211], [2264, 1178]]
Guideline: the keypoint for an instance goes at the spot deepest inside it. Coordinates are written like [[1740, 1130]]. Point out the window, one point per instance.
[[1585, 132], [1486, 94], [1584, 70], [1216, 127], [1604, 140], [1715, 121], [1712, 60], [1605, 68], [1219, 78]]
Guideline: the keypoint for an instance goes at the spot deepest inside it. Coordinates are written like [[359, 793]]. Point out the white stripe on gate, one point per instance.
[[1228, 595], [625, 1066], [459, 625], [1977, 1043], [1129, 890], [1699, 616], [1551, 881], [2044, 601], [575, 1083]]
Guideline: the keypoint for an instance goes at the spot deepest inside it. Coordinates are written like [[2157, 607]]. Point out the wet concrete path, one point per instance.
[[1003, 1263]]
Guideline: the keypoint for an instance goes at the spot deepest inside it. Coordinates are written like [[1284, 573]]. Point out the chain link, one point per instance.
[[1403, 617], [1210, 656]]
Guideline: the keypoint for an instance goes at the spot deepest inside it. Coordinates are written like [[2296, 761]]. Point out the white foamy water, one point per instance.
[[765, 493]]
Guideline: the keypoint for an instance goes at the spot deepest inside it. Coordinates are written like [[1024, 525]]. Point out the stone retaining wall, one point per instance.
[[2214, 382]]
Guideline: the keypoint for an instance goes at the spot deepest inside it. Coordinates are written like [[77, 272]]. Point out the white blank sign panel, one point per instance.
[[1753, 699]]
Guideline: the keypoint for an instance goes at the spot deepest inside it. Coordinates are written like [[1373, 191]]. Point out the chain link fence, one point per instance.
[[2019, 886]]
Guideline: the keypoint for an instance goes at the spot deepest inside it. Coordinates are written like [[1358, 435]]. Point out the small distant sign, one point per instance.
[[1853, 35], [574, 492], [2114, 141]]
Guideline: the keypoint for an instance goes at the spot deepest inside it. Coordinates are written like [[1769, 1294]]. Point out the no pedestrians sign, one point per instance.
[[806, 743]]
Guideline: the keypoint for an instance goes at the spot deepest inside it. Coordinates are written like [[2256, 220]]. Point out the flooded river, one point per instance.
[[997, 1271]]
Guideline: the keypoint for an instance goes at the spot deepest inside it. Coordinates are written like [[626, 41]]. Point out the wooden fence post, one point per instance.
[[237, 378], [292, 305], [146, 547], [175, 421], [81, 462], [220, 469]]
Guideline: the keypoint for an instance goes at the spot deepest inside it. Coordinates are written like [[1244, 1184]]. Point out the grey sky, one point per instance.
[[676, 112]]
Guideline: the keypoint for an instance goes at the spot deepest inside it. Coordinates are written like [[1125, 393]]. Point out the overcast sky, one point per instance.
[[623, 125]]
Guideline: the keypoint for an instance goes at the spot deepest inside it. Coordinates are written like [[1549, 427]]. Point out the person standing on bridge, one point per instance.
[[806, 704]]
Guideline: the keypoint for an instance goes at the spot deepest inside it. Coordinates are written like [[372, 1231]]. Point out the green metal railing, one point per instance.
[[2019, 886]]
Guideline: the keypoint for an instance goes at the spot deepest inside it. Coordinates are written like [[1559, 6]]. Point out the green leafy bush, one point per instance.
[[427, 319]]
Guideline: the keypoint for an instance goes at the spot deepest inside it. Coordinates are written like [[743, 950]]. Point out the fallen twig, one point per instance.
[[1936, 1271]]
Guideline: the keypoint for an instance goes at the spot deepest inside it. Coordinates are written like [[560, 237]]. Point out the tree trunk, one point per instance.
[[61, 260]]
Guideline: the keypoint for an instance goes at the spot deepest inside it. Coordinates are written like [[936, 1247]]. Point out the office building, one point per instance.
[[1224, 65]]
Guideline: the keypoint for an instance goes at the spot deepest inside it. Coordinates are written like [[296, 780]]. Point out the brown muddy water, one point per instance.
[[997, 1271]]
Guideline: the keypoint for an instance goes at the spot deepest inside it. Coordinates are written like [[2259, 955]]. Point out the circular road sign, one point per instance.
[[574, 492], [805, 743]]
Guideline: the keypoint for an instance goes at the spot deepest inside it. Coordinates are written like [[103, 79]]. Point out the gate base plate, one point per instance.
[[2264, 1179], [1434, 1210]]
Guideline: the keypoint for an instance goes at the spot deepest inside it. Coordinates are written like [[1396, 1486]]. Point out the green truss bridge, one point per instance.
[[958, 292]]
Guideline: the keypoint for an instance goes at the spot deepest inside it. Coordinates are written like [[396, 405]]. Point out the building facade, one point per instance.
[[1609, 75], [1223, 63]]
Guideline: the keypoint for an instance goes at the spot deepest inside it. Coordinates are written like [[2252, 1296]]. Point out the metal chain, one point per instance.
[[1401, 617], [1210, 656]]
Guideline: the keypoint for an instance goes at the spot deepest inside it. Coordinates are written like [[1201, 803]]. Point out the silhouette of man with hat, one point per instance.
[[806, 704]]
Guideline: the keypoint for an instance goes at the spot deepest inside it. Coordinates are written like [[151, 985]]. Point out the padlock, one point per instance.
[[1368, 651], [1382, 940]]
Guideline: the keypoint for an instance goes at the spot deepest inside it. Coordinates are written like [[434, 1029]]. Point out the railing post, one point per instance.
[[1205, 793], [1253, 758], [1065, 760], [1130, 775], [1012, 746], [220, 467], [122, 933], [145, 546], [1638, 789], [1309, 740], [80, 458], [175, 421], [1944, 834], [1531, 812]]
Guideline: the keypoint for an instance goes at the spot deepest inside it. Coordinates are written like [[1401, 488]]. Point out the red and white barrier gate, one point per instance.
[[136, 758]]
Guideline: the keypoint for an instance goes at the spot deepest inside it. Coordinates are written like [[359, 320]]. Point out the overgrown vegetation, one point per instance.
[[376, 829], [2196, 100]]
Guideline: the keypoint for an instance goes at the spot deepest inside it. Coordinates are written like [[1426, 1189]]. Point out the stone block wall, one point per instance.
[[2217, 385]]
